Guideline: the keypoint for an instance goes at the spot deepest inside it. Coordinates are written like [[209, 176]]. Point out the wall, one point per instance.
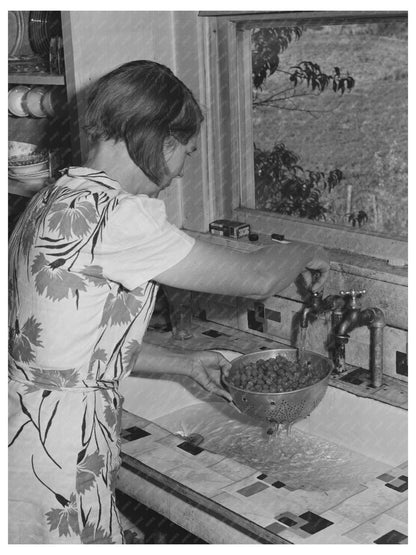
[[102, 40], [278, 316]]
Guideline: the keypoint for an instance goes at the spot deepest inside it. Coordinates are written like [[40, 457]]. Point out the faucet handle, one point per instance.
[[315, 299], [354, 293]]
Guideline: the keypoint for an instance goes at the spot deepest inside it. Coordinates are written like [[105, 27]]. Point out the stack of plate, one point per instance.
[[42, 27], [16, 30], [28, 165]]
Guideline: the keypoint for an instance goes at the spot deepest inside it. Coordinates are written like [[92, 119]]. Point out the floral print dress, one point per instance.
[[81, 262]]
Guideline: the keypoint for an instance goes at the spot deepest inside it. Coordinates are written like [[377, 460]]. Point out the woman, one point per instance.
[[85, 260]]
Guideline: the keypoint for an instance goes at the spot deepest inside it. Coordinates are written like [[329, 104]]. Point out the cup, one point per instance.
[[180, 312], [181, 320]]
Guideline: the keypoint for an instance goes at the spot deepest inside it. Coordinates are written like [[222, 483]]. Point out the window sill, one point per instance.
[[345, 240], [341, 260]]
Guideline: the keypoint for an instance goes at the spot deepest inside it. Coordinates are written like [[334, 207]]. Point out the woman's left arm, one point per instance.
[[205, 367]]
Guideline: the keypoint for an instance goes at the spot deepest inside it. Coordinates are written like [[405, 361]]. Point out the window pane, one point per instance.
[[336, 156]]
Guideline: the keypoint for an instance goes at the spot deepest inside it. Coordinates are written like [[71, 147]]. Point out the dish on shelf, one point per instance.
[[42, 27], [19, 148], [30, 170], [33, 164], [34, 157], [33, 101], [54, 101], [16, 104], [16, 27]]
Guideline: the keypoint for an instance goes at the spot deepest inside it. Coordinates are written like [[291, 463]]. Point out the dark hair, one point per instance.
[[143, 104]]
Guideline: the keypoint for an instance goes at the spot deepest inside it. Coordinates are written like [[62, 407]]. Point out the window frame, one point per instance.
[[229, 58]]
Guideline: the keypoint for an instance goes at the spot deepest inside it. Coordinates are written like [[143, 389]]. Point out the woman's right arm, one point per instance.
[[259, 274]]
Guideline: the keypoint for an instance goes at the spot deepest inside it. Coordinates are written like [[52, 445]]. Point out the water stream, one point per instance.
[[298, 459], [301, 341]]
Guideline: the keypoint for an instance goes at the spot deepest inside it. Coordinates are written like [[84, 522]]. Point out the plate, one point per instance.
[[16, 32], [16, 97], [32, 170], [33, 101], [42, 27]]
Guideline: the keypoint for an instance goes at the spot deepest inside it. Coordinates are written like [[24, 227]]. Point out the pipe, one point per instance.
[[374, 319]]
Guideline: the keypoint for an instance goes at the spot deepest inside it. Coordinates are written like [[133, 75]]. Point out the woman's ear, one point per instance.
[[169, 146]]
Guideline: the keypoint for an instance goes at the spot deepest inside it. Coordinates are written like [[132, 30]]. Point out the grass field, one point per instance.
[[363, 133]]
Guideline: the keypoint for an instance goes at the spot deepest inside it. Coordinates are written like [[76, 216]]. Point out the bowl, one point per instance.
[[53, 101], [18, 148], [16, 97], [28, 169], [280, 408], [32, 101]]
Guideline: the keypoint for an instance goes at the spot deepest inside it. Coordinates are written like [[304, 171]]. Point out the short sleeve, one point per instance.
[[138, 243]]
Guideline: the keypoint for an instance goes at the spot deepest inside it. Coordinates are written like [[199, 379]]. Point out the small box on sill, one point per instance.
[[229, 228]]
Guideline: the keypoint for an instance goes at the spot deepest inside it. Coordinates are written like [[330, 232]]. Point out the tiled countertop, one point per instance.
[[210, 335], [265, 508]]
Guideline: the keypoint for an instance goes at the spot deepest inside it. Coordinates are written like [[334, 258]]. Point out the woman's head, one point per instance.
[[145, 105]]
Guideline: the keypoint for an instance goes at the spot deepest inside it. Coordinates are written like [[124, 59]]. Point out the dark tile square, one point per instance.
[[130, 434], [391, 537], [278, 484], [252, 322], [252, 489], [401, 363], [315, 522], [212, 333], [273, 315], [190, 448], [357, 376], [385, 477], [287, 521], [399, 484]]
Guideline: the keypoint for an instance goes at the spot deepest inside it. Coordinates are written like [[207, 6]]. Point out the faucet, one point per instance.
[[316, 305], [351, 316]]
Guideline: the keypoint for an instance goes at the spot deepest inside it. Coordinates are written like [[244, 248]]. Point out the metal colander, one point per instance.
[[280, 408]]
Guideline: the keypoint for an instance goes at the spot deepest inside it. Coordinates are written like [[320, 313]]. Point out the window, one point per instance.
[[310, 110]]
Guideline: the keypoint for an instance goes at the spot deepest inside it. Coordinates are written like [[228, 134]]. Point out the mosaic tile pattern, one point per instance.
[[372, 513]]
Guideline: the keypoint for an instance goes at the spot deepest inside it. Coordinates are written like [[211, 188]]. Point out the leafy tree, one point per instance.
[[282, 185]]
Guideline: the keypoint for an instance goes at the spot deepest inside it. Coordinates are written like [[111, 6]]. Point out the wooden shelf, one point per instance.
[[36, 79]]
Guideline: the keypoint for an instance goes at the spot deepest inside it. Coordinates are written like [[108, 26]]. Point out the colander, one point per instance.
[[286, 407]]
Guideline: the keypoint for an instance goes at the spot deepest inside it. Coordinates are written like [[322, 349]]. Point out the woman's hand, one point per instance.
[[316, 271], [208, 368]]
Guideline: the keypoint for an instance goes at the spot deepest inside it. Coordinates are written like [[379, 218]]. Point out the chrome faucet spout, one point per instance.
[[319, 305], [305, 316], [349, 321], [311, 309]]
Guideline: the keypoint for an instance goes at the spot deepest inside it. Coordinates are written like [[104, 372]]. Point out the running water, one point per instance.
[[301, 341], [298, 459]]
